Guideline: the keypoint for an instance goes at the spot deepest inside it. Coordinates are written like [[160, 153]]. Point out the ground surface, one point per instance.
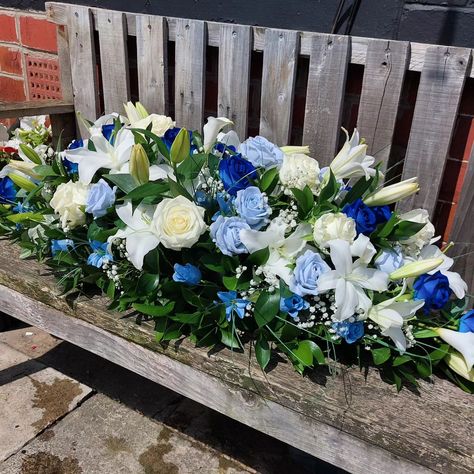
[[65, 411]]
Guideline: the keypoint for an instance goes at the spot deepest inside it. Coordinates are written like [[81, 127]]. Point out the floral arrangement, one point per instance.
[[236, 243]]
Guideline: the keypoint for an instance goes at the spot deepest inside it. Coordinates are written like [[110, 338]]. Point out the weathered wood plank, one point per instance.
[[439, 93], [64, 64], [278, 82], [328, 65], [385, 67], [114, 67], [325, 415], [234, 76], [190, 68], [152, 62], [83, 64], [29, 108]]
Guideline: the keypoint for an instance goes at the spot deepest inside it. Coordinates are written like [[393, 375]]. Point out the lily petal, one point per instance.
[[138, 245], [211, 130], [463, 342]]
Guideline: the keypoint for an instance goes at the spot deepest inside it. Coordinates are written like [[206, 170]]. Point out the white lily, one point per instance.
[[96, 127], [111, 156], [393, 193], [349, 280], [229, 139], [457, 363], [363, 248], [352, 161], [140, 233], [211, 130], [390, 316], [463, 342], [135, 112]]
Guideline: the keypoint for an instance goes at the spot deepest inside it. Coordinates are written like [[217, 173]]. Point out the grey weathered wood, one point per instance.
[[83, 64], [113, 59], [64, 64], [329, 60], [234, 76], [152, 63], [462, 233], [278, 82], [190, 68], [359, 424], [386, 63], [63, 128], [439, 93], [34, 107]]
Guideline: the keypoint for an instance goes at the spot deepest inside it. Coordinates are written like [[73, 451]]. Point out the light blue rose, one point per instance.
[[187, 274], [309, 267], [261, 153], [252, 205], [389, 260], [225, 232], [101, 196]]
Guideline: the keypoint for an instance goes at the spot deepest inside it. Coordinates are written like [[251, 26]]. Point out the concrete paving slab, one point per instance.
[[103, 436], [30, 341]]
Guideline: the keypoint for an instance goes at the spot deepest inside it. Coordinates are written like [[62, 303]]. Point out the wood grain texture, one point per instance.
[[190, 68], [278, 82], [113, 59], [152, 63], [385, 66], [34, 107], [328, 65], [64, 64], [234, 76], [361, 425], [83, 65], [439, 93]]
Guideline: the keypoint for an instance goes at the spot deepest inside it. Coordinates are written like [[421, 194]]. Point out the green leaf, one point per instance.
[[381, 355], [258, 258], [388, 226], [126, 182], [178, 190], [44, 170], [269, 180], [358, 190], [25, 216], [405, 229], [187, 318], [181, 147], [424, 334], [229, 339], [148, 189], [162, 148], [266, 307], [230, 282], [190, 168], [262, 351], [31, 154], [152, 310], [304, 199], [423, 368], [400, 360], [328, 193], [304, 353], [147, 283]]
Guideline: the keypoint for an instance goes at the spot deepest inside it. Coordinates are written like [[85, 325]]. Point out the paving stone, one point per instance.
[[104, 436], [31, 341]]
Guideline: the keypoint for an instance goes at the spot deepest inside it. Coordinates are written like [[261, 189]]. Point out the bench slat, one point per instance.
[[83, 65], [113, 59], [329, 60], [234, 76], [439, 93], [384, 72], [278, 82], [190, 68], [152, 63]]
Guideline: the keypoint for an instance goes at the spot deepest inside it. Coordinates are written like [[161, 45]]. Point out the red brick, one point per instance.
[[43, 78], [38, 34], [8, 29], [10, 61], [11, 90]]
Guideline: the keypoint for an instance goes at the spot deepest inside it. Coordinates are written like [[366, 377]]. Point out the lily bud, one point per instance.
[[30, 154], [456, 362], [25, 167], [142, 112], [135, 112], [415, 269], [290, 150], [22, 182], [463, 342], [139, 164], [393, 193], [181, 147]]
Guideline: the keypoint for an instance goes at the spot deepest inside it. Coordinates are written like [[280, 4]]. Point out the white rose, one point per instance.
[[69, 202], [415, 243], [179, 222], [160, 124], [299, 170], [333, 226]]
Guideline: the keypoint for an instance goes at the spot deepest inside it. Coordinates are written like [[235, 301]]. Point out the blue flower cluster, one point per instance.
[[293, 305], [233, 305], [351, 332], [366, 218], [236, 173], [434, 289], [187, 274]]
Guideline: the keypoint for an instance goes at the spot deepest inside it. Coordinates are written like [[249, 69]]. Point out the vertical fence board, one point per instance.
[[113, 59], [439, 93], [190, 68], [278, 82], [329, 60], [234, 76], [152, 63], [385, 66], [83, 64]]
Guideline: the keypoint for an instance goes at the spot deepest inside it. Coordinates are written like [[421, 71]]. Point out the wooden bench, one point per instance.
[[352, 420]]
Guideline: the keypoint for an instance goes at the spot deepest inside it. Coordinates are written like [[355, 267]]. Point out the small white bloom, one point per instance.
[[299, 170], [69, 202], [333, 226], [160, 124], [415, 243]]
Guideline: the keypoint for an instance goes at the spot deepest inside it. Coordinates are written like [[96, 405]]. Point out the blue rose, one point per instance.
[[233, 305], [203, 199], [466, 323], [351, 332], [261, 153], [252, 205], [99, 254], [62, 245], [101, 196], [309, 267], [7, 191], [389, 260], [107, 131], [170, 135], [433, 289], [293, 305], [225, 232], [187, 274], [221, 148], [235, 173], [367, 218]]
